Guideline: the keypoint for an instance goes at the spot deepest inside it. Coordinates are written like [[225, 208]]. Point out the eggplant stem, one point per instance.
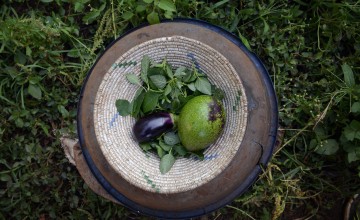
[[175, 119]]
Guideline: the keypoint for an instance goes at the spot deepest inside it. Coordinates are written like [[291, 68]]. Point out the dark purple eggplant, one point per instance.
[[153, 125]]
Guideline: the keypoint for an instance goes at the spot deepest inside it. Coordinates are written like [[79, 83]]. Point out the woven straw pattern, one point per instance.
[[114, 132]]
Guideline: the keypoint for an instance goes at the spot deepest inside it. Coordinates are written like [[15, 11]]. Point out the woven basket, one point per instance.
[[187, 190]]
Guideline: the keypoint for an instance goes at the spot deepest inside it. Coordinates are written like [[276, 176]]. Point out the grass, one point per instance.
[[311, 51]]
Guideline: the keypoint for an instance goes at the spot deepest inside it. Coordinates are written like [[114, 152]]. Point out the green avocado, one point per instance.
[[201, 122]]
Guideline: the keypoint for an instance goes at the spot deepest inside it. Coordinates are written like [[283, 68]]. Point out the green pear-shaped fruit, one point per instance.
[[201, 122]]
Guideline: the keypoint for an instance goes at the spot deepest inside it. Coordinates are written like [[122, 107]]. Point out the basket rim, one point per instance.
[[265, 155]]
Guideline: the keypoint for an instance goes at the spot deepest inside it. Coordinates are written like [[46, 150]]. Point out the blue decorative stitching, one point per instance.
[[208, 157], [113, 120], [193, 59], [211, 156]]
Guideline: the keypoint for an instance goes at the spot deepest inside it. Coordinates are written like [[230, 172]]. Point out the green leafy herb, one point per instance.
[[160, 151], [192, 87], [203, 85], [169, 71], [163, 88], [159, 81], [166, 162], [145, 146], [132, 78], [171, 138], [137, 102], [150, 101], [145, 63], [164, 146], [179, 149], [123, 107], [167, 90], [180, 71]]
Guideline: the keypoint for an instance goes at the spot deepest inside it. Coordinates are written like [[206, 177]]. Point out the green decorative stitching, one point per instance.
[[150, 182], [237, 101], [124, 64]]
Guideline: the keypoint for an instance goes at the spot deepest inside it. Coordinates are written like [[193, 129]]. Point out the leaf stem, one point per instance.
[[113, 17]]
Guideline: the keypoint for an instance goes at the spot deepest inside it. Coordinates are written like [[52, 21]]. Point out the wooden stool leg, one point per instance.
[[74, 154]]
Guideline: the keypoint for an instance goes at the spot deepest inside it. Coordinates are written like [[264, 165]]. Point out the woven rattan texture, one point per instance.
[[114, 132]]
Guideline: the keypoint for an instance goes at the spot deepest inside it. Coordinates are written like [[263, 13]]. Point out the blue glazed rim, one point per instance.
[[264, 159]]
